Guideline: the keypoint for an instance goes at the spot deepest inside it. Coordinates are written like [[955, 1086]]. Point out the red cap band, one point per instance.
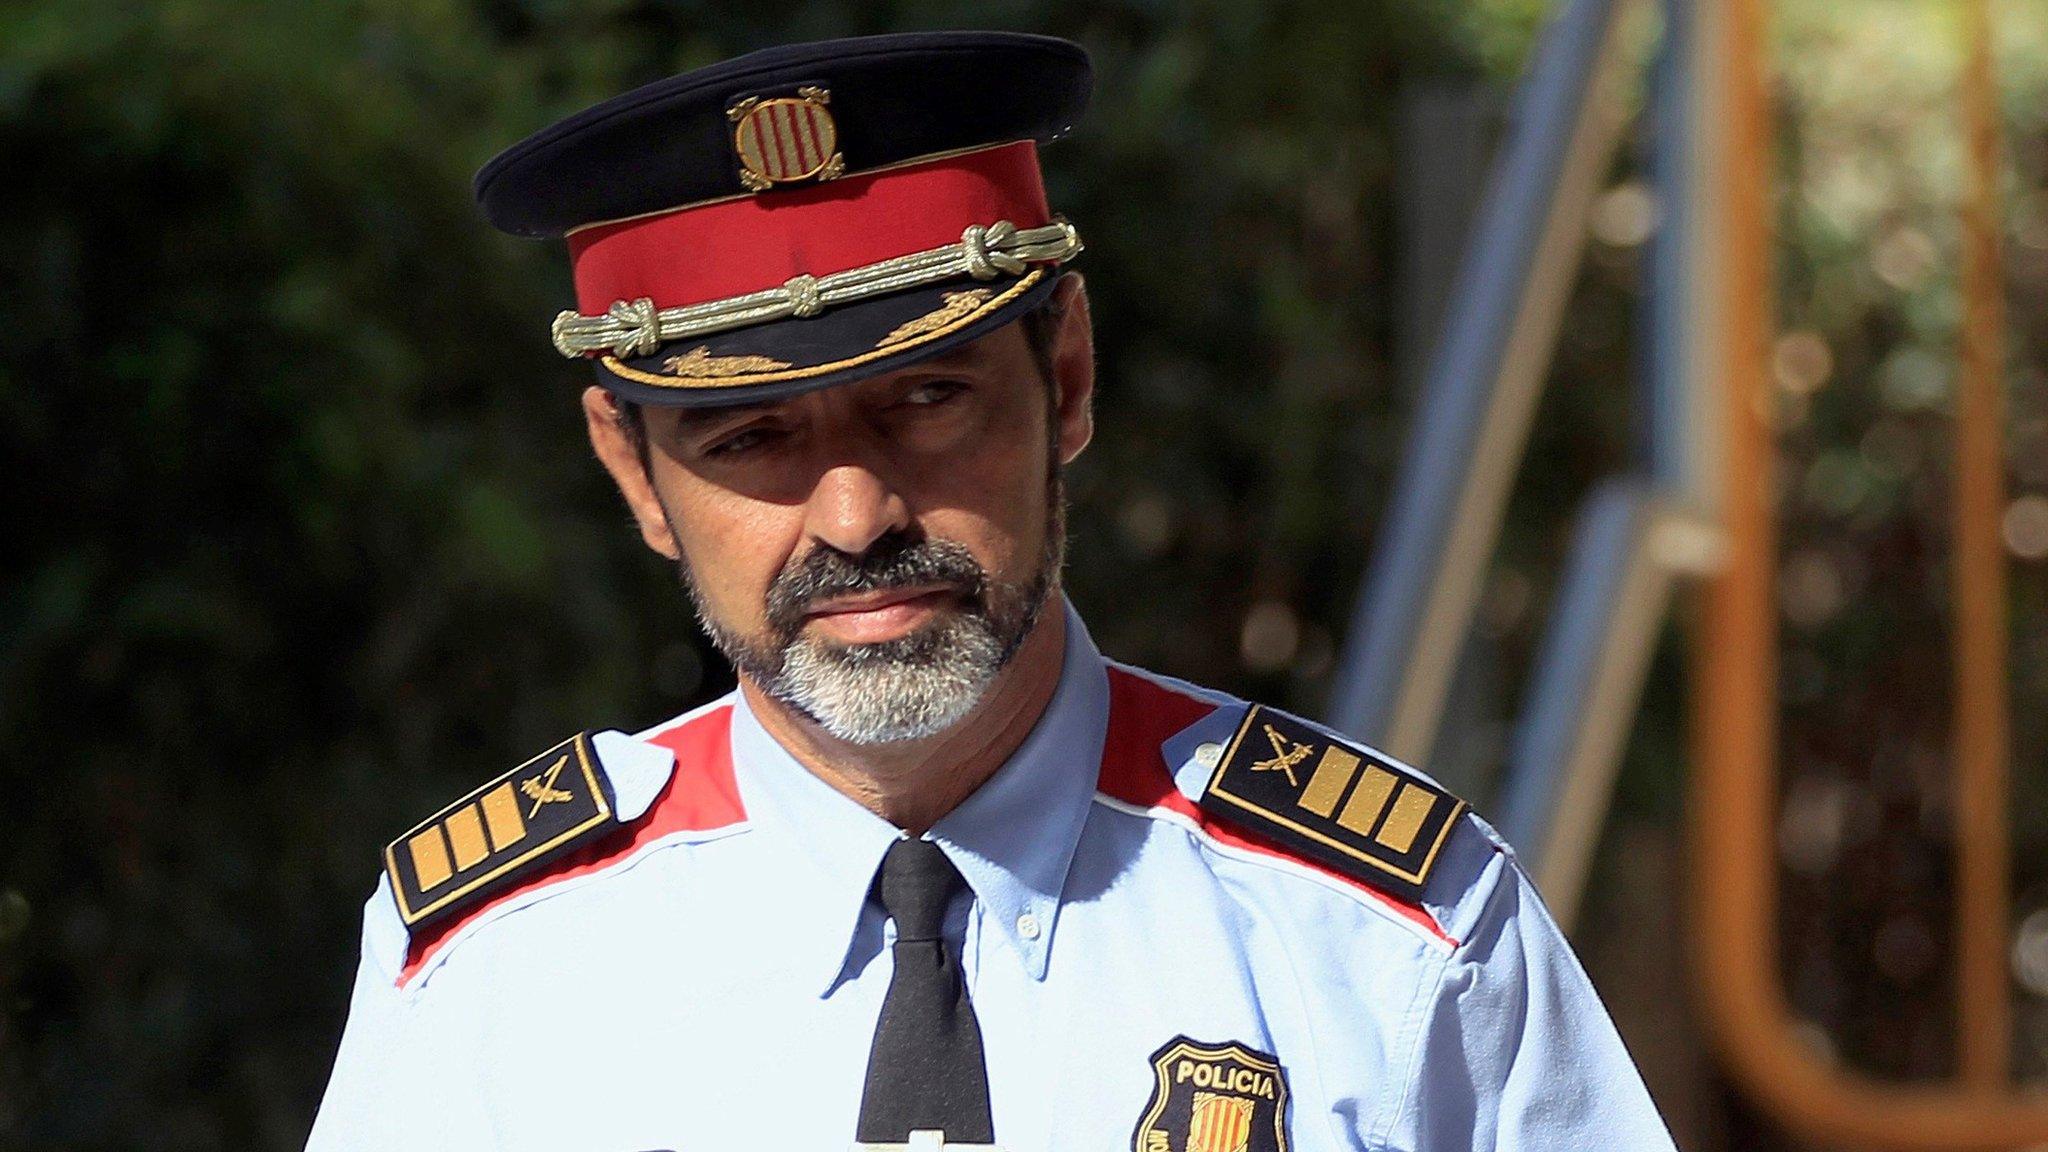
[[733, 247]]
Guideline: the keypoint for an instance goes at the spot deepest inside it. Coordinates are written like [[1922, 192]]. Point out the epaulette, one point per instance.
[[1339, 804], [514, 826]]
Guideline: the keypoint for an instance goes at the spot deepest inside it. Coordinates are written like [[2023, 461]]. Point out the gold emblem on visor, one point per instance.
[[699, 364], [786, 139], [955, 306]]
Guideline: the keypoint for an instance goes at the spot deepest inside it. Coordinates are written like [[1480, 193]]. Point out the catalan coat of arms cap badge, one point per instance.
[[786, 139]]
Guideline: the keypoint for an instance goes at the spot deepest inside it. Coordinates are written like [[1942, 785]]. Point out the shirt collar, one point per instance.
[[831, 845], [1013, 839]]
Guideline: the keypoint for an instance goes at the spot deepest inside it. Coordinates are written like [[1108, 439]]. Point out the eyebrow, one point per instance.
[[966, 356], [694, 419]]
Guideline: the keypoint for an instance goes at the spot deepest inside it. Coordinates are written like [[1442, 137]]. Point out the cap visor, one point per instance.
[[840, 345]]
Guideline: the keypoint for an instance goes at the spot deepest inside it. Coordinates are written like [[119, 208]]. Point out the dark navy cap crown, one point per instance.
[[896, 98], [802, 216]]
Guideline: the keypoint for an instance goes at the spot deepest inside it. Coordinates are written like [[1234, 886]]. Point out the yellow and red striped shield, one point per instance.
[[786, 139], [1220, 1123]]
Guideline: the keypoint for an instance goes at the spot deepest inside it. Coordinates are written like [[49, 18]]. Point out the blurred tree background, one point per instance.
[[308, 539]]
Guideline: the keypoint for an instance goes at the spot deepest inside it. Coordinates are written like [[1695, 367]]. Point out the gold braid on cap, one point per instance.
[[635, 327]]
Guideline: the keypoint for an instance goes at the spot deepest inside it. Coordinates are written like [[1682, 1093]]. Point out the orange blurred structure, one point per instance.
[[1735, 779]]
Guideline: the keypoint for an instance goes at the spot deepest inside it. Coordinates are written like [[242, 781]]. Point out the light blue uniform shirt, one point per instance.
[[716, 988]]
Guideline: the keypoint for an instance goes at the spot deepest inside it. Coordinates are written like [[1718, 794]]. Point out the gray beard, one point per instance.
[[915, 686], [904, 689]]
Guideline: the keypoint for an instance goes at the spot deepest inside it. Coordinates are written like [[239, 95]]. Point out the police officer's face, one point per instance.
[[880, 538]]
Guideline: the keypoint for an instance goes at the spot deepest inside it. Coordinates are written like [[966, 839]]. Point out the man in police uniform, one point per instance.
[[937, 874]]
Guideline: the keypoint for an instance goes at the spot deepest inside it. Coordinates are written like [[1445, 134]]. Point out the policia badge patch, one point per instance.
[[1213, 1098], [1335, 803]]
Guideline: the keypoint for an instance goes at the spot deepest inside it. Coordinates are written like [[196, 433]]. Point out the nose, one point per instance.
[[852, 506]]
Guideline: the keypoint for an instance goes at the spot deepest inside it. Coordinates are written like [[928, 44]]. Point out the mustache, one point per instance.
[[894, 561]]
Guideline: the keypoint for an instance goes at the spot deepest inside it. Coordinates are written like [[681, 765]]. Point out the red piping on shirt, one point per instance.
[[701, 795], [1144, 714]]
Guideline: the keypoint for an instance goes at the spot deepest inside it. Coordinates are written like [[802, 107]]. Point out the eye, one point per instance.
[[743, 441], [932, 392]]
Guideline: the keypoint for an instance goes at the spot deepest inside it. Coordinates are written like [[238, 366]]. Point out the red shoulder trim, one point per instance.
[[701, 795], [1144, 714]]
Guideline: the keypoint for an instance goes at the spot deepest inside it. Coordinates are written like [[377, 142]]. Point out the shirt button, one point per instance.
[[1207, 755], [1027, 926]]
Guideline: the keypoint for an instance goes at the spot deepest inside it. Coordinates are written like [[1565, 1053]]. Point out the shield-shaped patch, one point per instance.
[[1213, 1098]]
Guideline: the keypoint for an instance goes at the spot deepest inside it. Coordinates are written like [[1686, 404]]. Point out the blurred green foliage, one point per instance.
[[306, 536], [308, 540]]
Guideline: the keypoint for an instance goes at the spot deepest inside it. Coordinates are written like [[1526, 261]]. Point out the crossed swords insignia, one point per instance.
[[1284, 759], [541, 789]]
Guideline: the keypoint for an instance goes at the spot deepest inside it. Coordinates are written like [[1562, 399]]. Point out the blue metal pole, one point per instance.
[[1472, 420]]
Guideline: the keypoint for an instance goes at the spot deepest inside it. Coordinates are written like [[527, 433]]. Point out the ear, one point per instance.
[[1073, 364], [622, 458]]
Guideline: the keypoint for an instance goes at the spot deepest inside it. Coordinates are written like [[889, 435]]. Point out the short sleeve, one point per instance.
[[1515, 1049], [399, 1082]]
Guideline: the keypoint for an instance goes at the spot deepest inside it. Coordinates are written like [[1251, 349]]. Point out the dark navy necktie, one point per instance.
[[925, 1070]]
